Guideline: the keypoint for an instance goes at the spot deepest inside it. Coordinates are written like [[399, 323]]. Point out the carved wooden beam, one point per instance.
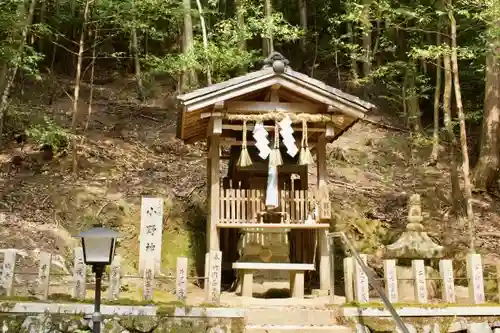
[[251, 107]]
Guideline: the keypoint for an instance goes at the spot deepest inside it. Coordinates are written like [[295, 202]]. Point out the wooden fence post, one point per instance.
[[150, 237], [8, 269], [79, 274], [44, 274], [420, 286], [361, 290], [214, 277], [114, 278], [181, 279], [475, 277], [391, 280], [446, 272]]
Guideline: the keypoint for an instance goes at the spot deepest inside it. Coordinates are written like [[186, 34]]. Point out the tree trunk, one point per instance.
[[92, 75], [240, 14], [456, 193], [486, 171], [43, 9], [303, 24], [10, 77], [76, 93], [205, 41], [354, 63], [412, 99], [137, 65], [189, 78], [463, 135], [268, 43], [367, 38], [437, 96]]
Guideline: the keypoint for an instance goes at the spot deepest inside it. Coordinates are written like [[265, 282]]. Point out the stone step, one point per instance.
[[290, 316], [296, 329]]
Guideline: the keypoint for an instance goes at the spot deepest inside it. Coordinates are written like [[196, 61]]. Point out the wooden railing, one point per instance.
[[295, 207]]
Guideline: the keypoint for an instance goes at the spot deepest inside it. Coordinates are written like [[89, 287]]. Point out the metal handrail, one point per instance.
[[370, 274]]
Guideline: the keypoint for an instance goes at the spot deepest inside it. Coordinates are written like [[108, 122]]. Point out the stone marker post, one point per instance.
[[446, 272], [79, 274], [150, 237], [475, 277], [181, 279], [8, 268], [214, 277], [44, 274], [361, 286], [149, 280], [349, 278], [114, 278], [391, 280], [418, 269]]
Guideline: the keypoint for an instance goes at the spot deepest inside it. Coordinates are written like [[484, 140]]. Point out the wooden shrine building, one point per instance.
[[266, 214]]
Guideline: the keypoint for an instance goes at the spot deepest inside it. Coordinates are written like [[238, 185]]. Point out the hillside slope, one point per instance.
[[131, 150]]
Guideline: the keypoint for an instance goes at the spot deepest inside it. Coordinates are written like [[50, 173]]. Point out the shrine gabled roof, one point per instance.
[[275, 72]]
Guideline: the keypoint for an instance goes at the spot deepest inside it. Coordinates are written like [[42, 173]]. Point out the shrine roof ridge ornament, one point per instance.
[[277, 61]]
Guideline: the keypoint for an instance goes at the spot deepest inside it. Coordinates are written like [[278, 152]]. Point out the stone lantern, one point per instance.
[[413, 244]]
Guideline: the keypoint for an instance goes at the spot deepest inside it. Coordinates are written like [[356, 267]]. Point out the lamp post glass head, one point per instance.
[[98, 245]]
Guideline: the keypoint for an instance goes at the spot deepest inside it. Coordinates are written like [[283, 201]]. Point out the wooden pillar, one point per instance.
[[324, 264], [213, 180], [321, 167]]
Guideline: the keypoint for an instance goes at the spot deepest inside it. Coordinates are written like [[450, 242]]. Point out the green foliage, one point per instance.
[[225, 55], [367, 234], [49, 133]]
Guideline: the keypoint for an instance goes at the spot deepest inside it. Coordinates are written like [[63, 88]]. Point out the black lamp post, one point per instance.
[[98, 251]]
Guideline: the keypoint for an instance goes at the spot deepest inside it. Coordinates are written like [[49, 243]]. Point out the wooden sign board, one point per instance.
[[150, 237]]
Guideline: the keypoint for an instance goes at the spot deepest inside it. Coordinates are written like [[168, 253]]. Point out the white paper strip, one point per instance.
[[261, 136], [287, 132], [272, 188], [292, 150], [289, 141], [285, 122], [264, 152], [259, 126]]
